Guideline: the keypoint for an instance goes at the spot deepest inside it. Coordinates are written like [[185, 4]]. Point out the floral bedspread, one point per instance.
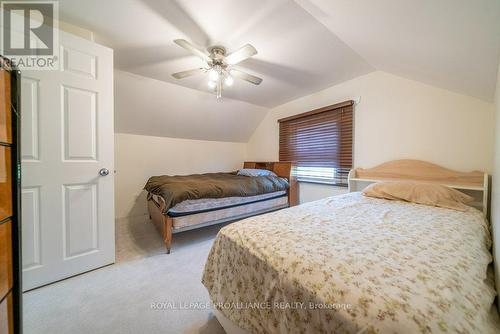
[[353, 264]]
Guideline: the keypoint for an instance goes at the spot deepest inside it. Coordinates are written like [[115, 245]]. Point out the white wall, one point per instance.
[[395, 119], [495, 199], [138, 157]]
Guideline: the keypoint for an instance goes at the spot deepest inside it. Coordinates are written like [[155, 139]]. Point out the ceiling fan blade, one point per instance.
[[247, 77], [194, 50], [188, 73], [243, 53]]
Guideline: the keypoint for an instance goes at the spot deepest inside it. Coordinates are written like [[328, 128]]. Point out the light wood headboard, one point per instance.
[[417, 170], [284, 169]]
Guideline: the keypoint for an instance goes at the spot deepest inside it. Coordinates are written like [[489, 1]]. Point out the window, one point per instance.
[[320, 143], [316, 174]]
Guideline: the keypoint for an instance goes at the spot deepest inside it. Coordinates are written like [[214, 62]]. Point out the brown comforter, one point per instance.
[[175, 189]]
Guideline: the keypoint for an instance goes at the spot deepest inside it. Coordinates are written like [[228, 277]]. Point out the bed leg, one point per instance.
[[167, 233]]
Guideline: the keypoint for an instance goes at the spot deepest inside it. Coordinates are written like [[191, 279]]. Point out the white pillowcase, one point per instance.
[[255, 172]]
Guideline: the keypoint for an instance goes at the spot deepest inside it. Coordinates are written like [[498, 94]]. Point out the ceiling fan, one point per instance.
[[219, 65]]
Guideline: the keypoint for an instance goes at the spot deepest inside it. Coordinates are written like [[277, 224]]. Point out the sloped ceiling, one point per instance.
[[150, 107], [297, 54], [452, 44], [304, 46]]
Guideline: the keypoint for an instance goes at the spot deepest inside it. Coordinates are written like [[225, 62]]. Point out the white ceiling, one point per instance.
[[453, 44], [304, 46], [297, 54]]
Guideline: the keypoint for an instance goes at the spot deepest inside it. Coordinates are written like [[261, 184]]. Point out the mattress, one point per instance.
[[231, 213], [189, 207], [353, 264]]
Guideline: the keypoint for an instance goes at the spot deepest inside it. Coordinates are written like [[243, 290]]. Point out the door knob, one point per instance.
[[103, 172]]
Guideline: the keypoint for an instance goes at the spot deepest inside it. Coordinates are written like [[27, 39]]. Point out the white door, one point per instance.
[[66, 139]]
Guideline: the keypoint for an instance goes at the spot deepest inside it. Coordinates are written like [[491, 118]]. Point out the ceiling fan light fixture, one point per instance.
[[219, 65]]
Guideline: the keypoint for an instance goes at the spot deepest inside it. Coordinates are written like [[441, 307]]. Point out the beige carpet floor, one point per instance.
[[118, 298]]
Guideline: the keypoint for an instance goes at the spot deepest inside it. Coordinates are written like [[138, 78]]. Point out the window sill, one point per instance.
[[324, 183]]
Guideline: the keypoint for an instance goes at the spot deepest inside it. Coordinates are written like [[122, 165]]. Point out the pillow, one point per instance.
[[255, 172], [420, 193]]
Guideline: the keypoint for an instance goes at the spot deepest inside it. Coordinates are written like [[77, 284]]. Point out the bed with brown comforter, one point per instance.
[[179, 188], [222, 197]]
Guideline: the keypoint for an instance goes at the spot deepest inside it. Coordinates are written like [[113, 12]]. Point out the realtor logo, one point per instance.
[[29, 36]]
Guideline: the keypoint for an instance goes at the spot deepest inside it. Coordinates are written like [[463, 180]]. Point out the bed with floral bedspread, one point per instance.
[[353, 264]]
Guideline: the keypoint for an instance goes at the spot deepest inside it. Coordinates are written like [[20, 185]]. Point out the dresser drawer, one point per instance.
[[5, 258], [5, 111], [7, 315], [5, 183]]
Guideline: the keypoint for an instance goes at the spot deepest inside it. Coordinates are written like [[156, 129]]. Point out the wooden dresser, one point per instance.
[[10, 268]]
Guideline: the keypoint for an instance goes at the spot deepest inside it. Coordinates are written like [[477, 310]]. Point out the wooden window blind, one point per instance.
[[320, 143]]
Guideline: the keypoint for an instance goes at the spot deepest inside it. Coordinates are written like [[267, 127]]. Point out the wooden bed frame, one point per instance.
[[165, 223]]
